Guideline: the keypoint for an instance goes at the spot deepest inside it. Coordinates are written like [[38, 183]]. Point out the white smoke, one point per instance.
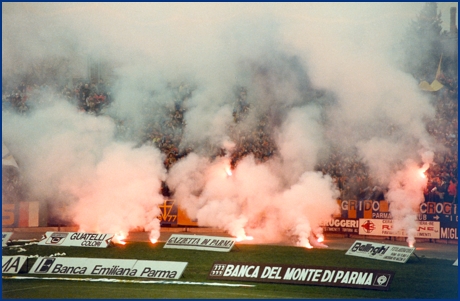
[[405, 195], [253, 200], [281, 53], [380, 113], [73, 163], [300, 155]]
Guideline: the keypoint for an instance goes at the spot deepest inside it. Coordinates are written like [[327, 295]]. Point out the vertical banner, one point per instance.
[[9, 215], [21, 214], [28, 214]]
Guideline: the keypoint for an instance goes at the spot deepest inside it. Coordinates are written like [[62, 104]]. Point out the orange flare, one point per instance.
[[241, 238], [118, 239], [228, 171]]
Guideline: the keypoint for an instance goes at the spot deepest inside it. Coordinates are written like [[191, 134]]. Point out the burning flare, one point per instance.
[[308, 246], [410, 242], [153, 237], [320, 238], [243, 237], [422, 174], [423, 169], [228, 171], [118, 238]]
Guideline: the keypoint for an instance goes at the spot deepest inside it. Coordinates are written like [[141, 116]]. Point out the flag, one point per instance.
[[7, 157], [438, 73], [435, 85]]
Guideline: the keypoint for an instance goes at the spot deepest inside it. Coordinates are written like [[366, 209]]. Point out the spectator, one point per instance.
[[452, 191]]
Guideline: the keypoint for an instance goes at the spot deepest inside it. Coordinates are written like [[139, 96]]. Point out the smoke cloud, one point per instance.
[[315, 77]]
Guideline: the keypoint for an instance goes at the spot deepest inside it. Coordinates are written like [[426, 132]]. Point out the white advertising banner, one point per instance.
[[379, 251], [13, 264], [76, 239], [82, 266], [384, 227], [108, 267], [160, 269], [6, 237], [200, 242]]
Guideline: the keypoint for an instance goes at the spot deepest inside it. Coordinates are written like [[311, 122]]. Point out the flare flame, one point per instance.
[[119, 238], [228, 171]]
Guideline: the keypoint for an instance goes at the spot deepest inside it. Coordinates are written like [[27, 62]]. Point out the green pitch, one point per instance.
[[419, 278]]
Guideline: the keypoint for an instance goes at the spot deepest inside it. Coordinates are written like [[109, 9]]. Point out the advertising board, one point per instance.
[[200, 242], [372, 209], [341, 225], [5, 238], [108, 267], [13, 264], [303, 275], [449, 231], [384, 227], [76, 239], [379, 251], [444, 213]]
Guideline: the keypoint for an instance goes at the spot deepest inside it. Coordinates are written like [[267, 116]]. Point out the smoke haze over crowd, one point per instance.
[[323, 75]]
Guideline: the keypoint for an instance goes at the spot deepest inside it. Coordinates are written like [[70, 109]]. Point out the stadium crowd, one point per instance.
[[348, 171]]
